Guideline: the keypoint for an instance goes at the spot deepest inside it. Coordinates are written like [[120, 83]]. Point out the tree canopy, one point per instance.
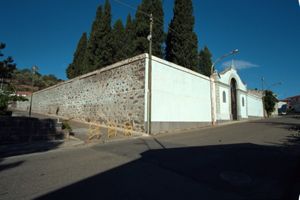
[[104, 52], [129, 36], [106, 44], [182, 42], [119, 41], [142, 29], [205, 62], [269, 101], [90, 61], [7, 65], [76, 68]]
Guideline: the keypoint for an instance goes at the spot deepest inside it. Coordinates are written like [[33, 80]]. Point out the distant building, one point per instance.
[[293, 103]]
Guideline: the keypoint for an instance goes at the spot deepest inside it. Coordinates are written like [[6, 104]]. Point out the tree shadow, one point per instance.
[[9, 165], [234, 171], [26, 148]]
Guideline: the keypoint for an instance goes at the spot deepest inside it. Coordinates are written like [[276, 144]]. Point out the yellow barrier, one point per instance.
[[93, 132], [128, 128], [111, 131]]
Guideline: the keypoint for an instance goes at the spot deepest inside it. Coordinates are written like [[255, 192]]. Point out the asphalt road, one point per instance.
[[249, 160]]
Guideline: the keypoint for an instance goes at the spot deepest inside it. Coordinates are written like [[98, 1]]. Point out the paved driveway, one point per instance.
[[251, 160]]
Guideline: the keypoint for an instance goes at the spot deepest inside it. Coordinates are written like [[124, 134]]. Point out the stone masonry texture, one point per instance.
[[112, 95]]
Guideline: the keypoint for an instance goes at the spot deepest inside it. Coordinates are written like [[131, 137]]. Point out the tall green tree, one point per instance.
[[141, 43], [182, 42], [76, 68], [119, 41], [104, 52], [269, 101], [90, 62], [129, 37], [7, 65], [205, 62]]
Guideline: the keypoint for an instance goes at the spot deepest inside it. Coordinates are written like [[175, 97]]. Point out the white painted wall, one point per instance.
[[179, 94], [242, 109], [224, 107], [255, 106]]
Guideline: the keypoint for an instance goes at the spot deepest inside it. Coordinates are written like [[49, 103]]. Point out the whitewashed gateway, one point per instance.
[[169, 98]]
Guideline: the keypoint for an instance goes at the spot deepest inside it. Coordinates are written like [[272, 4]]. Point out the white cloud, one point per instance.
[[240, 64]]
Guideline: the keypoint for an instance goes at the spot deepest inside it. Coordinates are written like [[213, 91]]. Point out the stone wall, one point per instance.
[[112, 95]]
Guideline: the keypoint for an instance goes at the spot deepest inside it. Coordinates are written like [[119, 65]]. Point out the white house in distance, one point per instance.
[[178, 97]]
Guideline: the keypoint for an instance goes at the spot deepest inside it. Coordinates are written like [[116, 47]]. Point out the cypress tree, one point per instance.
[[142, 27], [76, 68], [104, 52], [129, 37], [90, 55], [70, 71], [119, 41], [205, 62], [182, 42]]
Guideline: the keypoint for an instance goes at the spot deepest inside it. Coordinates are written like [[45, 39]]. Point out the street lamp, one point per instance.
[[235, 51], [212, 86], [33, 69]]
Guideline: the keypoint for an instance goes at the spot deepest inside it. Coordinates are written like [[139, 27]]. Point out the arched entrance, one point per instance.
[[233, 99]]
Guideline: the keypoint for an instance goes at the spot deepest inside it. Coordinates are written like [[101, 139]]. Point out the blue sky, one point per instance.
[[267, 33]]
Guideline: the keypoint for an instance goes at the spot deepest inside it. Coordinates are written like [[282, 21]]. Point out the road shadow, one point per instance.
[[234, 171]]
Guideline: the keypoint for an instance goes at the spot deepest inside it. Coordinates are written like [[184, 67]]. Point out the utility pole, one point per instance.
[[34, 69], [149, 77]]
